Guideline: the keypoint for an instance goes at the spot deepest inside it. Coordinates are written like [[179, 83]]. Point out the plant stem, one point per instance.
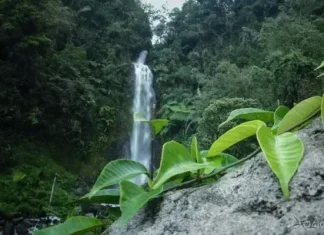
[[185, 184], [317, 112], [216, 172]]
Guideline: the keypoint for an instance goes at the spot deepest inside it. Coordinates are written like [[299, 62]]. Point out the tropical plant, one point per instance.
[[281, 147]]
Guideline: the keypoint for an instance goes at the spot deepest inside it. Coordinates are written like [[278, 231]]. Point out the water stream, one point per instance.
[[143, 101]]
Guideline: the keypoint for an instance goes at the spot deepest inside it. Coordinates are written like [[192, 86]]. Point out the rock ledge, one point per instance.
[[245, 201]]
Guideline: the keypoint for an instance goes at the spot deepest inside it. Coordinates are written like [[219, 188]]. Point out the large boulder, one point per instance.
[[246, 201]]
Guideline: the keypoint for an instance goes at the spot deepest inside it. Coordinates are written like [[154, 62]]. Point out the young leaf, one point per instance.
[[110, 196], [74, 225], [195, 153], [299, 113], [133, 198], [117, 171], [219, 161], [279, 114], [250, 114], [234, 136], [176, 159], [283, 154]]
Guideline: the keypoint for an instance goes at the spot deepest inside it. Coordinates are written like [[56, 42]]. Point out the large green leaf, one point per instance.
[[279, 114], [158, 125], [74, 225], [110, 196], [283, 154], [299, 113], [133, 198], [117, 171], [250, 114], [234, 136], [321, 75], [176, 159]]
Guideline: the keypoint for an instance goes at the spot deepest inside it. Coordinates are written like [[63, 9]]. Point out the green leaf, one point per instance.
[[250, 114], [73, 225], [228, 159], [234, 136], [195, 153], [321, 66], [321, 75], [176, 159], [110, 196], [204, 153], [133, 198], [117, 171], [279, 114], [299, 113], [158, 125], [181, 109], [283, 154], [322, 110], [219, 161], [18, 176]]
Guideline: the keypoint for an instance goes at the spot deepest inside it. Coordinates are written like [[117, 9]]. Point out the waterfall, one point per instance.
[[143, 101]]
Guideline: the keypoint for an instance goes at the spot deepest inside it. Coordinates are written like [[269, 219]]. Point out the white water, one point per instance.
[[143, 101]]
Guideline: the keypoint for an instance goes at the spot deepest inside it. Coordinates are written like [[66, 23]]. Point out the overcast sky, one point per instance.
[[170, 3]]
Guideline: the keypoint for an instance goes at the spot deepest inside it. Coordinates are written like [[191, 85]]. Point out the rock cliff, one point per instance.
[[247, 200]]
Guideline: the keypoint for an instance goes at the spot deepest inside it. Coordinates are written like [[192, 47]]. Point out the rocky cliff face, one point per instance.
[[245, 201]]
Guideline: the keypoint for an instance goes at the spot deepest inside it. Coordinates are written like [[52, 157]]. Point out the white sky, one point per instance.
[[169, 3]]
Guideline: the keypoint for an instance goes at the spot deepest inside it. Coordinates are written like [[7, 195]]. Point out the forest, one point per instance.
[[66, 87]]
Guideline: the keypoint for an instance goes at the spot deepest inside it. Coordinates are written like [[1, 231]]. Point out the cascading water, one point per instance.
[[144, 99]]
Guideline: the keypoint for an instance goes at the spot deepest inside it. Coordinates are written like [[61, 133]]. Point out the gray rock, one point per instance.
[[247, 200]]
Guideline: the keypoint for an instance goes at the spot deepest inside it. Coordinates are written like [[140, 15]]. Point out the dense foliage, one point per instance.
[[66, 90], [262, 50], [65, 95], [66, 68], [281, 147]]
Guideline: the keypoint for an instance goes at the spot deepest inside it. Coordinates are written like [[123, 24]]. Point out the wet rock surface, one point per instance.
[[247, 200]]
